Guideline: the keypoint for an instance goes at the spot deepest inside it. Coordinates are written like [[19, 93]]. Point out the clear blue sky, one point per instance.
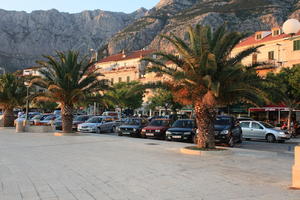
[[74, 6]]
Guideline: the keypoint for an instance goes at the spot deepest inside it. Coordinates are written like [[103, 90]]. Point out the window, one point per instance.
[[128, 78], [120, 79], [271, 55], [276, 32], [254, 58], [258, 36], [112, 81], [256, 126], [245, 124], [296, 45]]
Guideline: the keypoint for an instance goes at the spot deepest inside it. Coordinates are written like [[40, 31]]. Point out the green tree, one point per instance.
[[45, 106], [164, 98], [205, 76], [12, 94], [284, 88], [68, 80], [126, 95]]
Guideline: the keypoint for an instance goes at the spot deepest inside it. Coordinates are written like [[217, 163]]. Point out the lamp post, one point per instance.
[[27, 101], [292, 27]]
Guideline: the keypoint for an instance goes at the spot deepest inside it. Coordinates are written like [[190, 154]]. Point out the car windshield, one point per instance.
[[221, 121], [81, 118], [184, 124], [267, 125], [37, 117], [133, 122], [50, 117], [159, 123], [94, 120]]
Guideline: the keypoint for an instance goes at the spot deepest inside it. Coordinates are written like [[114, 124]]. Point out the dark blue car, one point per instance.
[[182, 130]]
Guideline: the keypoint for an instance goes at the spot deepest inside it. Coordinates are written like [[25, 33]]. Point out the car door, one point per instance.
[[258, 130], [246, 130]]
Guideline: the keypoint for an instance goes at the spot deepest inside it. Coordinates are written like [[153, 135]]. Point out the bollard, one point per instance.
[[296, 169], [19, 126]]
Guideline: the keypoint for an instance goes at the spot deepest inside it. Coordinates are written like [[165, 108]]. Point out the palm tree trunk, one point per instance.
[[290, 119], [205, 116], [67, 118], [8, 117]]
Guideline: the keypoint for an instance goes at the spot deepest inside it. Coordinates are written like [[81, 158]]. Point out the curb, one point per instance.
[[60, 134], [186, 151]]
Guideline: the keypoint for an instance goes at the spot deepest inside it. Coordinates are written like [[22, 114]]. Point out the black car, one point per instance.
[[132, 127], [227, 130], [182, 130]]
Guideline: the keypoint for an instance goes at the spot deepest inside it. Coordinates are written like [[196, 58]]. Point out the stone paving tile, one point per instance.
[[104, 167]]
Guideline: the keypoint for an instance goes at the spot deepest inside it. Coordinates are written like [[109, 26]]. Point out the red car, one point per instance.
[[156, 129]]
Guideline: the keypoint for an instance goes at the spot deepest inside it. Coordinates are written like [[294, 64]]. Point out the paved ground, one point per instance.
[[41, 166]]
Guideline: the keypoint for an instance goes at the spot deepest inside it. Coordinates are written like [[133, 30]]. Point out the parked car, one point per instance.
[[245, 119], [263, 131], [37, 118], [182, 130], [23, 116], [79, 120], [227, 130], [156, 129], [132, 127], [98, 124], [47, 120]]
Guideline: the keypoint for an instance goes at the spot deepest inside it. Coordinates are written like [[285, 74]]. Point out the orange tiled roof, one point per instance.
[[129, 55], [251, 41]]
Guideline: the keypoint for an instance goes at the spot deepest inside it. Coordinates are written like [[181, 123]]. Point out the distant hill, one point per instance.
[[25, 36]]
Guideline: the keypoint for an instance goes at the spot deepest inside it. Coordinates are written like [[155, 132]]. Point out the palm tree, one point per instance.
[[68, 80], [204, 75], [12, 94], [283, 88]]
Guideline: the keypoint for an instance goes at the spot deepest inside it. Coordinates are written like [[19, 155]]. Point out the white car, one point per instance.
[[263, 131], [98, 124]]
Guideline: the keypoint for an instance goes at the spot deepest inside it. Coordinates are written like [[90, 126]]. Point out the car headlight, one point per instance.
[[134, 129], [168, 133], [157, 131], [118, 128], [225, 132], [187, 133], [144, 130], [282, 133]]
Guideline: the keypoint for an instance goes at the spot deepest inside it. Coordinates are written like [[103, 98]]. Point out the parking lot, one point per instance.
[[93, 166]]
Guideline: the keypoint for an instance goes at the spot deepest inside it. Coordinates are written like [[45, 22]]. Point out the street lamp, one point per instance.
[[291, 27], [96, 53], [27, 84]]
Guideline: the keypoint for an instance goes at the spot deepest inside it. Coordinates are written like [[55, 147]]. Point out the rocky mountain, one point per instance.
[[175, 15], [24, 37]]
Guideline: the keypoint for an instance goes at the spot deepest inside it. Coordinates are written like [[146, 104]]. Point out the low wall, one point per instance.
[[39, 129]]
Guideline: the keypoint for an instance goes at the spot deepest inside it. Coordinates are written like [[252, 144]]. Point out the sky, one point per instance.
[[75, 6]]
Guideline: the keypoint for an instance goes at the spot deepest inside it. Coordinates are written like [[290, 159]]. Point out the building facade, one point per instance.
[[279, 50]]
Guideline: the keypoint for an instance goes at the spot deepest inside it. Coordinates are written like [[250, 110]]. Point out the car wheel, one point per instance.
[[270, 138], [281, 141], [231, 142], [120, 134], [98, 130]]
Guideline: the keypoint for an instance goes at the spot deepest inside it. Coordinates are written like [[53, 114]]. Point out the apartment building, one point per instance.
[[279, 50]]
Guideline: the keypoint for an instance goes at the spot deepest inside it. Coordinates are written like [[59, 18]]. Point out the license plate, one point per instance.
[[149, 134], [126, 133], [177, 137]]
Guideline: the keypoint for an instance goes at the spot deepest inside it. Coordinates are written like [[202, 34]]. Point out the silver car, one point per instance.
[[263, 131], [98, 124]]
